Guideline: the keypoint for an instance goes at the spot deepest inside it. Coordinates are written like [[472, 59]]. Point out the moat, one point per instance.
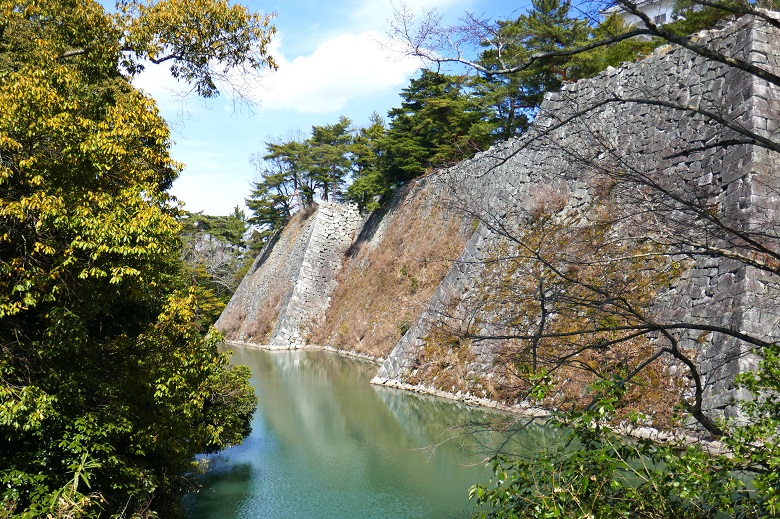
[[327, 443]]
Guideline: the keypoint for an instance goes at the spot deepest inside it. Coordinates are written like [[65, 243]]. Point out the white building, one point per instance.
[[659, 11]]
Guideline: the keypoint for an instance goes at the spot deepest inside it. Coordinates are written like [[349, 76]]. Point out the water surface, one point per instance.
[[326, 443]]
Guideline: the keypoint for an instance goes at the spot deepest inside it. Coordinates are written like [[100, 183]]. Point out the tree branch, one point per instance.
[[701, 50], [71, 53]]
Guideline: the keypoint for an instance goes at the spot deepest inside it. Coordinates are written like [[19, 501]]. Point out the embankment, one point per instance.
[[412, 283]]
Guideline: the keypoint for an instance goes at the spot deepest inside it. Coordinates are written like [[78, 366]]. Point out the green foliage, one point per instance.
[[214, 254], [271, 203], [690, 17], [442, 119], [106, 383], [598, 474], [548, 27], [330, 161], [295, 171], [292, 172], [228, 229], [515, 97], [613, 55], [194, 35], [368, 190], [437, 124], [369, 184], [754, 438], [285, 185]]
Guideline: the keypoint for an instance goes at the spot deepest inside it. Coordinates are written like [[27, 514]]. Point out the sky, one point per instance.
[[334, 59]]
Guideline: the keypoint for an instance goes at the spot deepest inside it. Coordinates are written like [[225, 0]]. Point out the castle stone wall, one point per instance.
[[644, 118], [676, 118]]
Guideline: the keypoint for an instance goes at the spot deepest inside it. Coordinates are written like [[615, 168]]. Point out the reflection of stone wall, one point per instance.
[[555, 161]]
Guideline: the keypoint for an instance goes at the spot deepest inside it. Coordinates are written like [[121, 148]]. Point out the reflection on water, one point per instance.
[[325, 443]]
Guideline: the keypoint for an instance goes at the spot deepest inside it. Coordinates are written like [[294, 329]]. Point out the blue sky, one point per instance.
[[331, 63]]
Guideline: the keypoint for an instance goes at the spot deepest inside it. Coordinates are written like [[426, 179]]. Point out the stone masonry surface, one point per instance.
[[643, 117], [297, 271], [597, 121]]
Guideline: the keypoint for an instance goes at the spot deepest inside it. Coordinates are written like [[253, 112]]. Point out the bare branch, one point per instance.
[[429, 38], [701, 50], [430, 55], [71, 53], [740, 10]]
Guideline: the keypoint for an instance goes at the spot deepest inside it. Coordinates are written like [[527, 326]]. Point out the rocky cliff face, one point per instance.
[[287, 290], [658, 118]]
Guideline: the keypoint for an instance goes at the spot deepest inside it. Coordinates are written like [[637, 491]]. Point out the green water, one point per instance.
[[327, 444]]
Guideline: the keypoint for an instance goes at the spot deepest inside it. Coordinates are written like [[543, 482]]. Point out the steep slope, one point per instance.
[[438, 268], [392, 270], [287, 290], [652, 119]]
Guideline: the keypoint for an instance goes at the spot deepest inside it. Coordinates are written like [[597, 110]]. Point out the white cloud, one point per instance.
[[344, 68], [211, 192], [156, 80]]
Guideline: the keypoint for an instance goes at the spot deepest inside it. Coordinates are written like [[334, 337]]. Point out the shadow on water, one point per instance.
[[326, 443]]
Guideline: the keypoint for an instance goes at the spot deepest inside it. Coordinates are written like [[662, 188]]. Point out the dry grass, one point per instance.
[[577, 295], [447, 362], [382, 290], [259, 329], [653, 392], [231, 322]]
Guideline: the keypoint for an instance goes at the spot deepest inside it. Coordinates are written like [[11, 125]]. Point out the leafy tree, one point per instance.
[[330, 147], [365, 149], [369, 184], [232, 227], [293, 172], [292, 160], [437, 124], [229, 229], [691, 16], [271, 202], [534, 47], [214, 255], [515, 98], [614, 54], [285, 185], [512, 110], [107, 387], [201, 54]]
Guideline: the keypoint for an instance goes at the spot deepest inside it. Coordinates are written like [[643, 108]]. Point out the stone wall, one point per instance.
[[625, 119], [288, 287], [334, 229], [662, 117]]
